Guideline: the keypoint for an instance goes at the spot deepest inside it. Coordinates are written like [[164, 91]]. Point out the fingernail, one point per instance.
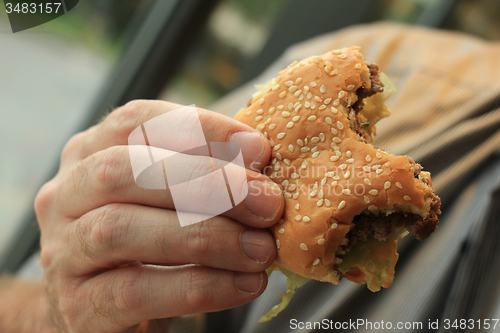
[[248, 282], [258, 245], [250, 143], [263, 199]]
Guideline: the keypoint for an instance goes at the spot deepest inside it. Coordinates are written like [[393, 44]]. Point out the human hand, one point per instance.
[[114, 254]]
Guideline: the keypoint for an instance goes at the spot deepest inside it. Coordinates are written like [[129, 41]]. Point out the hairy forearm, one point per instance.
[[23, 307]]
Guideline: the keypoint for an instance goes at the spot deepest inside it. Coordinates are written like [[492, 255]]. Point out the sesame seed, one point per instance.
[[285, 114], [278, 244], [367, 199], [277, 166], [347, 174], [281, 221], [288, 83], [327, 101], [305, 149], [297, 93], [340, 126], [316, 59], [368, 158], [387, 184], [290, 106], [336, 51], [318, 99], [314, 149], [322, 89], [336, 102], [373, 192], [387, 164], [379, 171], [271, 141], [319, 203], [273, 175], [293, 89], [357, 66], [329, 174], [274, 161], [304, 164], [315, 139], [287, 195], [296, 195], [281, 231], [276, 87], [337, 139], [258, 118], [282, 94], [320, 193], [334, 224], [327, 203], [321, 241], [367, 181], [271, 110], [311, 118], [306, 88], [350, 160], [248, 112], [267, 121], [350, 87], [287, 161], [272, 126], [301, 97], [306, 219], [378, 154], [341, 94], [296, 118], [260, 127], [366, 168], [398, 185], [297, 206], [346, 191], [334, 183], [299, 79], [334, 131], [334, 110], [300, 142], [328, 120], [280, 107], [292, 187], [285, 183], [342, 56], [298, 218], [294, 175], [281, 135], [334, 72], [260, 111], [407, 198], [278, 156], [289, 125], [303, 246], [316, 261], [278, 146], [342, 166], [307, 104], [291, 148], [313, 193], [372, 208], [316, 154], [313, 106], [334, 158], [337, 152], [376, 166], [341, 204], [322, 136], [313, 84]]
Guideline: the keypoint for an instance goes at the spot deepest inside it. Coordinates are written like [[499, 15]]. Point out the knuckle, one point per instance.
[[44, 200], [123, 120], [105, 231], [200, 238], [72, 147], [126, 295], [109, 169], [197, 291]]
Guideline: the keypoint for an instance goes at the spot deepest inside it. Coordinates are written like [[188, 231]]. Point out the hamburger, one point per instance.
[[346, 201]]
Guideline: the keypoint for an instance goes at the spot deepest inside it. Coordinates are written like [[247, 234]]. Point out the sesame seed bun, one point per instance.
[[334, 180]]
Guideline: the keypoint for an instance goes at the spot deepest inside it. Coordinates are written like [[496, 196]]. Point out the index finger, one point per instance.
[[117, 126]]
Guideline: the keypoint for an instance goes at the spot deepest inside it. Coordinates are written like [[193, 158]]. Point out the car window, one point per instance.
[[50, 76]]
